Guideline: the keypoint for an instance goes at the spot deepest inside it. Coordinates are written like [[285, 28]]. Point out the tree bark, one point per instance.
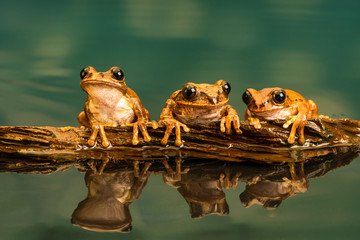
[[268, 144]]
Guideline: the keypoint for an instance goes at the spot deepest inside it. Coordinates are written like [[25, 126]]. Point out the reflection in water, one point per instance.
[[113, 187], [270, 193], [106, 208], [201, 189]]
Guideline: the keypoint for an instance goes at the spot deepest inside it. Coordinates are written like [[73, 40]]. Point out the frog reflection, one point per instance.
[[200, 188], [201, 183], [106, 208], [271, 192]]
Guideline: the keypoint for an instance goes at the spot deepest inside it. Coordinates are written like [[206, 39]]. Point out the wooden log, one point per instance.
[[268, 144]]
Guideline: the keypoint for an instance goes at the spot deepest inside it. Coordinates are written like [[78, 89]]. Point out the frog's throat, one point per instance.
[[192, 104], [280, 113]]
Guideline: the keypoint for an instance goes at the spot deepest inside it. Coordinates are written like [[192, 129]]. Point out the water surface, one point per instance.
[[312, 47]]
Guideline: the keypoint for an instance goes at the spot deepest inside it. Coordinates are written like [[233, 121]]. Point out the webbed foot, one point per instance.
[[225, 124], [170, 124], [141, 124]]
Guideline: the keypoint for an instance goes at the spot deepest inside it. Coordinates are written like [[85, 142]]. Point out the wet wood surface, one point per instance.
[[268, 144]]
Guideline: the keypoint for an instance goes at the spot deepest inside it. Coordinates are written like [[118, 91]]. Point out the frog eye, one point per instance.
[[84, 72], [226, 87], [246, 97], [279, 96], [189, 91], [118, 73]]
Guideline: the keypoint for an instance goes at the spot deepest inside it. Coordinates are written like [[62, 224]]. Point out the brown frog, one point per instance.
[[111, 103], [198, 104], [278, 103]]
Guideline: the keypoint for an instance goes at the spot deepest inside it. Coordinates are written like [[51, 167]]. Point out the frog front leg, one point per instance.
[[96, 128], [299, 122], [231, 116], [143, 117], [167, 119], [252, 121], [170, 176]]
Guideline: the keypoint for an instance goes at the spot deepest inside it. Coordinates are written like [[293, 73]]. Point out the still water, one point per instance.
[[312, 47]]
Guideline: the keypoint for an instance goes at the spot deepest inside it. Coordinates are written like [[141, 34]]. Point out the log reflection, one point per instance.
[[112, 188]]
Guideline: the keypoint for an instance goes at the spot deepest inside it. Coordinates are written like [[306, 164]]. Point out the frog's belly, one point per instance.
[[114, 114], [197, 116]]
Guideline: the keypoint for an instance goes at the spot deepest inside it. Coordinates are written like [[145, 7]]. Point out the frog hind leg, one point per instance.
[[313, 110], [83, 120]]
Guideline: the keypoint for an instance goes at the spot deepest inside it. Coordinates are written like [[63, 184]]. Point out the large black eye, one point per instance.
[[189, 91], [279, 96], [118, 73], [226, 87], [84, 72], [246, 97]]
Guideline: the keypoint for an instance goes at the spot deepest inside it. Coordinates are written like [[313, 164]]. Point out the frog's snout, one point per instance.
[[212, 100]]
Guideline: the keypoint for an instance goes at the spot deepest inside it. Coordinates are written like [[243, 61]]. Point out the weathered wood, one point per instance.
[[268, 144]]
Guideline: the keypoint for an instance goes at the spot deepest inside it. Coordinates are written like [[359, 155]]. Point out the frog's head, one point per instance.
[[91, 80], [204, 94], [267, 99]]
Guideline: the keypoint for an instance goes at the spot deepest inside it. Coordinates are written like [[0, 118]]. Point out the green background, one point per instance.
[[310, 46]]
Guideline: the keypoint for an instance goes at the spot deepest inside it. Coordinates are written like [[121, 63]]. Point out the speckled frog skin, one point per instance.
[[278, 103], [199, 104], [111, 103]]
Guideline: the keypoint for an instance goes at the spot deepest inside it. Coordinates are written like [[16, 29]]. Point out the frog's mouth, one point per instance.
[[100, 82], [264, 110], [206, 104], [204, 100]]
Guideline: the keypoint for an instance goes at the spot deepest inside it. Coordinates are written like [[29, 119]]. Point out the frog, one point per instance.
[[110, 103], [278, 103], [198, 104]]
